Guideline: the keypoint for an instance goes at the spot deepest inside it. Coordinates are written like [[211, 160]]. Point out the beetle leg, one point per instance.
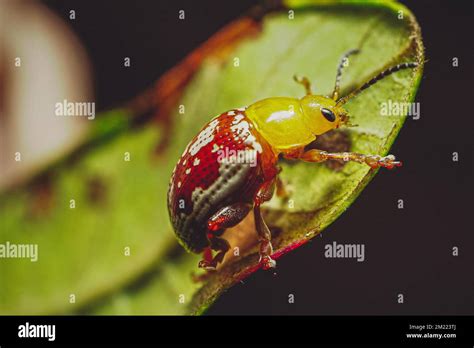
[[207, 255], [265, 192], [219, 244], [281, 190], [280, 186], [224, 218], [228, 216], [265, 237], [374, 161]]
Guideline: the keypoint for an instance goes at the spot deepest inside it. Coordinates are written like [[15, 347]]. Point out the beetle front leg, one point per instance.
[[281, 189], [374, 161], [265, 236]]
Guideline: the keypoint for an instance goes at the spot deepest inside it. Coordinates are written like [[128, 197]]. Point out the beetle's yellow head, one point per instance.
[[322, 114]]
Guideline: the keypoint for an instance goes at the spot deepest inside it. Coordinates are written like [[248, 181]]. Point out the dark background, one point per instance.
[[407, 251]]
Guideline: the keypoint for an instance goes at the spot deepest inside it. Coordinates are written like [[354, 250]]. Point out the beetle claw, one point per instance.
[[267, 262], [387, 162], [208, 266]]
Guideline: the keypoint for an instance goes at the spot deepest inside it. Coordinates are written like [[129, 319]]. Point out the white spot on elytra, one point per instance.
[[251, 140], [184, 162], [196, 161], [179, 184], [188, 171], [241, 128], [215, 148], [204, 138], [237, 118], [231, 113]]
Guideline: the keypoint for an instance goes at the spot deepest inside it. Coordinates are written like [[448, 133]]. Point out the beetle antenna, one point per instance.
[[342, 64], [383, 74]]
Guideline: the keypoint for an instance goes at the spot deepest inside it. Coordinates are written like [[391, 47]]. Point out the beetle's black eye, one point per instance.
[[328, 114]]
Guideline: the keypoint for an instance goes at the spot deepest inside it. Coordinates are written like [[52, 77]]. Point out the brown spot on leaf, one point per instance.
[[41, 197], [333, 141], [96, 190]]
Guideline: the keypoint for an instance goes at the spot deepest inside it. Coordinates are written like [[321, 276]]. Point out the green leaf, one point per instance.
[[122, 204]]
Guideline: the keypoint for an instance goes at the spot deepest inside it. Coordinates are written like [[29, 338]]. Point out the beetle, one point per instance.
[[230, 167]]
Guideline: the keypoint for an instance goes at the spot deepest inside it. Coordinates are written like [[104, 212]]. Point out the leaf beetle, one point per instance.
[[230, 167]]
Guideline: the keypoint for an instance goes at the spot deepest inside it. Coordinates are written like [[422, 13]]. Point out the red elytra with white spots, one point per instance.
[[210, 176]]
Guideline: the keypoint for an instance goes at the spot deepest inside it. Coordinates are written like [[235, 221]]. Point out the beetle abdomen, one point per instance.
[[222, 165]]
